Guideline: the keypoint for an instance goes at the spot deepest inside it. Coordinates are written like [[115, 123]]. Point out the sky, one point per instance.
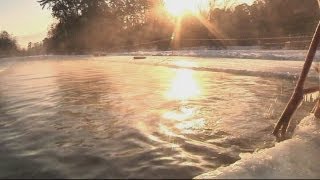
[[25, 20]]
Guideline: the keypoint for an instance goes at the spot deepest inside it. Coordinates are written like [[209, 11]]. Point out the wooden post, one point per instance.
[[282, 125]]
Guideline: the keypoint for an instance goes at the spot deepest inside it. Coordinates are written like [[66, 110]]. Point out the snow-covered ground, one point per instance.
[[254, 67], [294, 158], [247, 54], [280, 63]]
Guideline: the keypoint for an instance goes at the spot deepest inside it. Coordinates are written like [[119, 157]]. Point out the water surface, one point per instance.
[[99, 119]]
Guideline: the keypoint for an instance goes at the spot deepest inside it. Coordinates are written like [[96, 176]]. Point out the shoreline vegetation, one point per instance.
[[89, 27]]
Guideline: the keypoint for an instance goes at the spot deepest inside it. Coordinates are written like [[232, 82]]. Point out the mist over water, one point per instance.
[[98, 119]]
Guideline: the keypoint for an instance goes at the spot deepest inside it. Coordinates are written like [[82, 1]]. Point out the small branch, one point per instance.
[[282, 125]]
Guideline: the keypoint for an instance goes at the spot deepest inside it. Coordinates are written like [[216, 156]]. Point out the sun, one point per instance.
[[181, 7]]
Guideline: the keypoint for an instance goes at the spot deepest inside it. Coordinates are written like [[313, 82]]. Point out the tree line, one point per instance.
[[8, 45], [85, 26]]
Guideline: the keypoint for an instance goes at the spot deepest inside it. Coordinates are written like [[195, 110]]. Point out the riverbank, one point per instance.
[[295, 158], [296, 55], [252, 67], [288, 69], [261, 54]]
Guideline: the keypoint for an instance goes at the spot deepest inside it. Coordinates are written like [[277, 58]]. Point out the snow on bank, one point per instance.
[[293, 55], [253, 67], [298, 157], [248, 54]]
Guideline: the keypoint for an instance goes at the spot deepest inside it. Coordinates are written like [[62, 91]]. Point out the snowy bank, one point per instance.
[[295, 158], [248, 54], [251, 67]]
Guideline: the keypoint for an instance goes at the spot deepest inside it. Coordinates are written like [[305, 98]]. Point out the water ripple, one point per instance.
[[96, 119]]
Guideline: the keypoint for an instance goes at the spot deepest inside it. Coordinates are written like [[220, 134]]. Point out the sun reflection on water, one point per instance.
[[185, 118], [188, 127], [184, 86], [184, 114]]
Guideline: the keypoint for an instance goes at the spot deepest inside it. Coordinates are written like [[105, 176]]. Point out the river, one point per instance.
[[89, 118]]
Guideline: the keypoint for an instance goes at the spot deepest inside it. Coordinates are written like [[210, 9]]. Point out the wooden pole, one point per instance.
[[282, 125]]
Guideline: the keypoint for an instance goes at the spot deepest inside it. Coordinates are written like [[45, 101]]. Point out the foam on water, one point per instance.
[[294, 158]]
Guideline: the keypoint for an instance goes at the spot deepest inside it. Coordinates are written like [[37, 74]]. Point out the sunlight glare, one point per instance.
[[189, 127], [181, 115], [184, 86], [180, 7]]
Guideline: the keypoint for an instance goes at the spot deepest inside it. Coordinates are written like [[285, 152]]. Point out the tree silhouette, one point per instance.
[[8, 45]]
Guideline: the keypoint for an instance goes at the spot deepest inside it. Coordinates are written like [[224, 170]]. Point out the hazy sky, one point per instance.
[[25, 19]]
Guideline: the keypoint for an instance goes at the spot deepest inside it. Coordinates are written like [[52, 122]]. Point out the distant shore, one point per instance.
[[292, 55]]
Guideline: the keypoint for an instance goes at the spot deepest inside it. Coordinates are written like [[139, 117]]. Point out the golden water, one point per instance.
[[97, 119]]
